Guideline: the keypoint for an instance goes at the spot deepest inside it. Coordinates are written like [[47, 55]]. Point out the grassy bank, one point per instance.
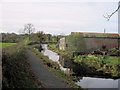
[[53, 48], [54, 68], [16, 69], [108, 65], [4, 45]]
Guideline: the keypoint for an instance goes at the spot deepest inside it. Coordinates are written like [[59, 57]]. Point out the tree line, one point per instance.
[[28, 31]]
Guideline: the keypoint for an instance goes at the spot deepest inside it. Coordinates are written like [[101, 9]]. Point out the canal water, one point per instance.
[[52, 55], [85, 82]]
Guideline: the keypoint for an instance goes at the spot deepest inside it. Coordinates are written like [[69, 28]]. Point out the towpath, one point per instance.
[[48, 79]]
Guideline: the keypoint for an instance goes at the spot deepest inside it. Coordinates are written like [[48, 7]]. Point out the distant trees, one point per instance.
[[56, 38], [28, 32], [76, 43], [41, 37], [11, 37], [52, 38], [48, 37], [28, 29]]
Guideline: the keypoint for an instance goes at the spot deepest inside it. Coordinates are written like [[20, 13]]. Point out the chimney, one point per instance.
[[104, 30]]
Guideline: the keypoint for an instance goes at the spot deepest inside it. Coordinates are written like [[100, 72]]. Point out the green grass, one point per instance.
[[113, 61], [109, 64], [99, 59], [4, 45], [52, 45]]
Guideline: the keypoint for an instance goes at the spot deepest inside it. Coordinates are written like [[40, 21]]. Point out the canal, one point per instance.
[[85, 82]]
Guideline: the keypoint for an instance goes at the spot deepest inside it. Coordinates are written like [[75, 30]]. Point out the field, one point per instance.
[[4, 45], [52, 45]]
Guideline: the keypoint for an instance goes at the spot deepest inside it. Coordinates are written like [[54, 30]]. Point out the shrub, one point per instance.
[[16, 73], [114, 52]]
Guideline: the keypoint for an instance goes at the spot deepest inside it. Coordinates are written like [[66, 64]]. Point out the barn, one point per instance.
[[95, 41]]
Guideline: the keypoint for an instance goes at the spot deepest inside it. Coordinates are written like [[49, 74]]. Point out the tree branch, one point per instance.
[[109, 16]]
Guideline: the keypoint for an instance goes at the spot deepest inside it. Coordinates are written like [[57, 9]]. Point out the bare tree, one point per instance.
[[29, 28], [108, 16]]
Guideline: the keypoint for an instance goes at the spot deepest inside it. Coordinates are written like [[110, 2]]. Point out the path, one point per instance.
[[46, 77]]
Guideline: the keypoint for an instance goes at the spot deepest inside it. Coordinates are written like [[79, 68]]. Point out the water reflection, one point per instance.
[[89, 82]]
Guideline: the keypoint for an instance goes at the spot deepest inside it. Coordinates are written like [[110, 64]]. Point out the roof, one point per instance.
[[86, 34]]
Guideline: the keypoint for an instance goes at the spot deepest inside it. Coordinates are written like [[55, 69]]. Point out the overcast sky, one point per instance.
[[58, 17]]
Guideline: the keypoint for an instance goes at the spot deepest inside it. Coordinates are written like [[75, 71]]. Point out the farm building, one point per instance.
[[94, 41], [62, 44]]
